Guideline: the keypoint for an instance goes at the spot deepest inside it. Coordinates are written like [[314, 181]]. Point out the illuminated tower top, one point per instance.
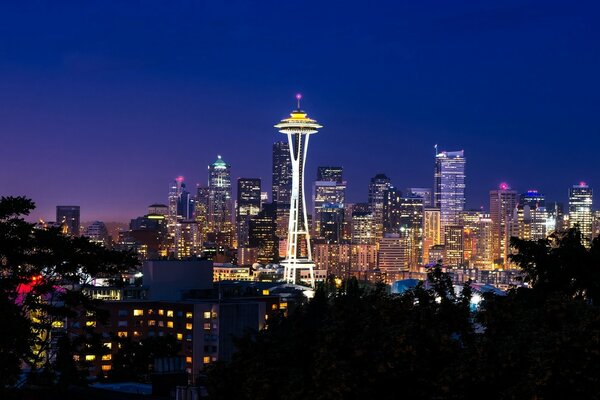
[[298, 123]]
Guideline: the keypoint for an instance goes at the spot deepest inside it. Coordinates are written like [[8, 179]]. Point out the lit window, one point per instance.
[[206, 359], [90, 323], [283, 306], [122, 334], [161, 323], [75, 357], [169, 324], [207, 326], [207, 314], [188, 326], [136, 333], [90, 357], [151, 322], [161, 312], [180, 336], [188, 360], [189, 315], [108, 345], [273, 306], [58, 324], [170, 313], [106, 357], [150, 311], [106, 368], [138, 313], [265, 292]]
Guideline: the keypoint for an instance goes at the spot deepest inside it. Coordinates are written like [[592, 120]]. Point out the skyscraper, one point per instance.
[[282, 173], [431, 230], [425, 193], [449, 186], [69, 218], [219, 201], [580, 211], [248, 205], [331, 174], [298, 129], [325, 193], [503, 202], [379, 184], [453, 246]]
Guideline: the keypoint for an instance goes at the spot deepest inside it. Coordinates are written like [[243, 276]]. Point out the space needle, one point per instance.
[[298, 129]]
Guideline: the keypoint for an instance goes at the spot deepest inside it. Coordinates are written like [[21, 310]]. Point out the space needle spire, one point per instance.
[[298, 256]]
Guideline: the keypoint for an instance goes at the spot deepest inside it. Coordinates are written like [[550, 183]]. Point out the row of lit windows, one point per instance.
[[169, 313]]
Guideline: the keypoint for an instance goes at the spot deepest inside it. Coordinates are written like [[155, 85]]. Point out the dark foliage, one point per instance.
[[41, 273]]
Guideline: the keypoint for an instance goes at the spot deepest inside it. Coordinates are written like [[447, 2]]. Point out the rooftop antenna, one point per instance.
[[298, 97], [436, 150]]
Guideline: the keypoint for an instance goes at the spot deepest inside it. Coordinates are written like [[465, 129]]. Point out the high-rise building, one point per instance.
[[431, 231], [484, 258], [174, 196], [96, 232], [185, 204], [330, 174], [298, 129], [503, 202], [393, 257], [532, 198], [325, 193], [282, 173], [425, 193], [332, 223], [379, 184], [363, 228], [263, 234], [453, 246], [580, 211], [530, 218], [219, 201], [449, 187], [469, 220], [69, 218], [248, 205], [391, 210]]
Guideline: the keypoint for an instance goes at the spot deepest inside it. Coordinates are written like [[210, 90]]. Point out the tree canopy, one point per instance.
[[41, 275]]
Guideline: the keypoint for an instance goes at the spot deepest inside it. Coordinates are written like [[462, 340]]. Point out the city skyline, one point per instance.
[[87, 111]]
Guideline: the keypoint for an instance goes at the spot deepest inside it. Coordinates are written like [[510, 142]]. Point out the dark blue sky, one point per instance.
[[104, 105]]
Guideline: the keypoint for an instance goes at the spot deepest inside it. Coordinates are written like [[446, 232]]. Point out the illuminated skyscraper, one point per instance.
[[449, 187], [502, 205], [282, 173], [431, 231], [69, 218], [248, 205], [580, 211], [298, 129], [326, 193], [379, 184], [453, 246], [484, 248], [219, 201], [331, 174], [425, 193]]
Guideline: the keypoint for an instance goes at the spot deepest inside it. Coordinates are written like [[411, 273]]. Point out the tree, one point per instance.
[[41, 275]]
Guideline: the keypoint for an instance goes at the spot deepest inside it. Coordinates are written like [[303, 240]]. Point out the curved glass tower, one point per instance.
[[298, 256]]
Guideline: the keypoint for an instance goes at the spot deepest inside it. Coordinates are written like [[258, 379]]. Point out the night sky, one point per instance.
[[103, 105]]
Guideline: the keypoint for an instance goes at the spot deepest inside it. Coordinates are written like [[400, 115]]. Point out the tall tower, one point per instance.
[[219, 200], [449, 187], [298, 129], [502, 204], [580, 211]]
